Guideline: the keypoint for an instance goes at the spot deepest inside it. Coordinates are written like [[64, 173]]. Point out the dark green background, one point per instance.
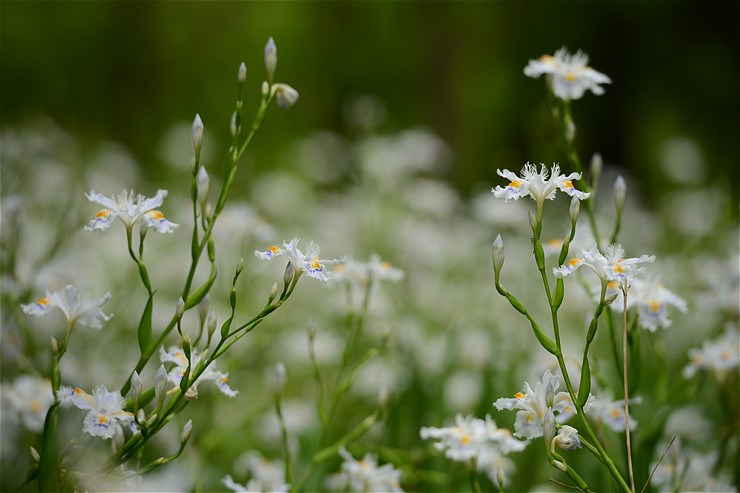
[[126, 71]]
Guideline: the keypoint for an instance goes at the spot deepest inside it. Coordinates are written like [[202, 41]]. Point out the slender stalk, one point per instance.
[[474, 483], [626, 391]]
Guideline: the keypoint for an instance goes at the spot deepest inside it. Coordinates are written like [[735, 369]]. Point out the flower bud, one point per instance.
[[280, 377], [211, 323], [135, 389], [118, 440], [620, 190], [265, 88], [197, 135], [498, 254], [202, 182], [160, 384], [567, 438], [288, 274], [185, 434], [186, 346], [270, 58], [232, 124], [575, 209], [560, 465], [239, 266], [570, 129], [191, 394], [35, 455], [596, 165], [54, 345], [273, 293], [286, 96], [180, 308], [242, 74], [203, 306], [533, 222]]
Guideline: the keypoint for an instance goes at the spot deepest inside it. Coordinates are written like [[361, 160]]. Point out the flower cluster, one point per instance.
[[365, 475], [177, 356], [608, 266], [720, 357], [533, 405], [308, 262], [265, 475]]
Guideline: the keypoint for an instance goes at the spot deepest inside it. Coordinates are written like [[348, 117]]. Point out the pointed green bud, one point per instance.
[[232, 125], [280, 377], [187, 430], [160, 386], [186, 346], [620, 191], [498, 255], [596, 165], [288, 274], [533, 222], [35, 455], [574, 209], [211, 323], [242, 74], [270, 58], [197, 135], [202, 183], [273, 293], [180, 309], [239, 267], [136, 386]]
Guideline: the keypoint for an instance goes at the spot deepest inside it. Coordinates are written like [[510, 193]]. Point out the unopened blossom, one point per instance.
[[567, 438], [177, 356], [720, 357], [465, 440], [270, 58], [652, 300], [69, 301], [106, 410], [604, 410], [308, 262], [285, 95], [365, 475], [609, 266], [29, 397], [539, 185], [533, 405], [568, 75], [129, 209]]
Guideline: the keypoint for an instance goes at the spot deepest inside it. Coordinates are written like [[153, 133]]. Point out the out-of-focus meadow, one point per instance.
[[406, 111]]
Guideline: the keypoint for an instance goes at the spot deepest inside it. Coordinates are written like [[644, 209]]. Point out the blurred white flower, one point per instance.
[[465, 440], [606, 411], [177, 356], [652, 300], [720, 356], [266, 476], [106, 410], [29, 397], [69, 302], [683, 469], [569, 75], [537, 184], [364, 277], [365, 475], [129, 209]]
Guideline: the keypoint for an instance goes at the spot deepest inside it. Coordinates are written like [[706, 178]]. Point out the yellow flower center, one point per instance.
[[618, 268], [568, 184], [515, 183], [466, 439], [43, 301], [519, 395], [570, 77], [103, 419], [654, 305], [156, 215], [103, 214], [274, 249], [574, 261], [315, 264]]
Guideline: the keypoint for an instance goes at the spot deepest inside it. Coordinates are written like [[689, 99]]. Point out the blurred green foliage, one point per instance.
[[126, 71]]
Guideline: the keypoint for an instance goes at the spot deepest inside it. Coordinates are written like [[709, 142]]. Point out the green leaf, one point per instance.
[[584, 388], [48, 463], [198, 295], [145, 327]]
